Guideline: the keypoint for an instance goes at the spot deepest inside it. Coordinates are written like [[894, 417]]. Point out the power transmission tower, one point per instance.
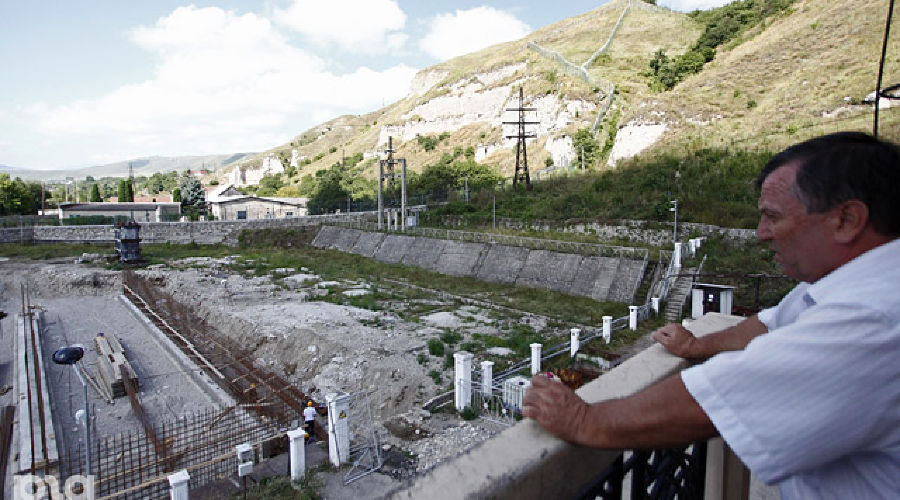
[[521, 173]]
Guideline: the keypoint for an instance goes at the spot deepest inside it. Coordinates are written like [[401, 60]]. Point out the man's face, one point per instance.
[[798, 238]]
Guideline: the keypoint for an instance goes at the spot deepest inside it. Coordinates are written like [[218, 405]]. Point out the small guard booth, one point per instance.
[[706, 298]]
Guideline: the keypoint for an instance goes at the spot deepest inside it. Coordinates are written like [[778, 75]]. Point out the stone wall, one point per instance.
[[207, 232], [651, 233]]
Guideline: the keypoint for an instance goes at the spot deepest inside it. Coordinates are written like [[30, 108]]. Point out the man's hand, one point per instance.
[[677, 340], [556, 407]]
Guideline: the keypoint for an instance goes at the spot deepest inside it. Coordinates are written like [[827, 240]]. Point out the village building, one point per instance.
[[137, 211], [227, 203]]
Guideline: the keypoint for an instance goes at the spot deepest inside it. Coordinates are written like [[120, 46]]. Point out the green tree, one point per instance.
[[269, 185], [126, 194], [176, 195], [95, 193], [18, 197], [329, 194], [193, 198], [584, 140]]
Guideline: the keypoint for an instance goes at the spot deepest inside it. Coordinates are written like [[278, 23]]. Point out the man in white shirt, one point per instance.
[[807, 393]]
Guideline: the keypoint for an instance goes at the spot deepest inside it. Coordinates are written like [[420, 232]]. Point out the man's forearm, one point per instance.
[[662, 415], [735, 338]]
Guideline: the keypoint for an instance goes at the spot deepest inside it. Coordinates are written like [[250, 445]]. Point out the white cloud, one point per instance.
[[466, 31], [692, 5], [224, 83], [358, 26]]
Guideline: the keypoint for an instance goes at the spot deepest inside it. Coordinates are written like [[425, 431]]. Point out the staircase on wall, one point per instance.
[[678, 294]]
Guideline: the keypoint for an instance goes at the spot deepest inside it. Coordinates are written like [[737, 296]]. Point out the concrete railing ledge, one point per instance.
[[526, 462]]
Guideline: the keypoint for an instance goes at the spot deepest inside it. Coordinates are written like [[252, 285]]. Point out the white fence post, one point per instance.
[[338, 428], [607, 328], [676, 255], [654, 303], [296, 438], [575, 342], [632, 317], [178, 482], [535, 358], [462, 379], [487, 378]]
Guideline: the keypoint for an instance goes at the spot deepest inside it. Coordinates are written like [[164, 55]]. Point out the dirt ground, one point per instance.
[[320, 346]]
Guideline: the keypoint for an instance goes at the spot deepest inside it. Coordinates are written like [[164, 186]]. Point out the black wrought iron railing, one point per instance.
[[655, 474]]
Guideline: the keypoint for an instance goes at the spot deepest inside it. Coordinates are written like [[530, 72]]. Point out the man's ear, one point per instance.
[[849, 219]]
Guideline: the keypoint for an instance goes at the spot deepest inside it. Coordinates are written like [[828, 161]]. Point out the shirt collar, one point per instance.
[[868, 264]]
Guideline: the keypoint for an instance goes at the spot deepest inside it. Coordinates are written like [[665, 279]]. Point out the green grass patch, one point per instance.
[[435, 347], [451, 338], [714, 186], [280, 488], [51, 250]]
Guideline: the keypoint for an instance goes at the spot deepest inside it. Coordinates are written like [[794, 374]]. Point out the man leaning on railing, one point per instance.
[[806, 393]]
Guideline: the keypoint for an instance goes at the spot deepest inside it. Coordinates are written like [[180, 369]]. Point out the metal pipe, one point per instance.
[[87, 422]]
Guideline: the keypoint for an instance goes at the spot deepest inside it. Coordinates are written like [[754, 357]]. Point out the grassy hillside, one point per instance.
[[797, 76], [576, 38], [801, 72]]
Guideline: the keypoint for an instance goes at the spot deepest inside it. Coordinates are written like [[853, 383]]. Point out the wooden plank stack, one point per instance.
[[110, 360]]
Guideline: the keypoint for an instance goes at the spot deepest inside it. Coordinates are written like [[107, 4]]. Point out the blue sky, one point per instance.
[[96, 81]]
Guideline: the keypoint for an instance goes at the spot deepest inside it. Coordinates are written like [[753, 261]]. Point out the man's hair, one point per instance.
[[846, 166]]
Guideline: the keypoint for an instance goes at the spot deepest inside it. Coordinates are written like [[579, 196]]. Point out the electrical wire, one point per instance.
[[887, 30]]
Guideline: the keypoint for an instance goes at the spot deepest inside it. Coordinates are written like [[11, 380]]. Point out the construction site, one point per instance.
[[184, 361]]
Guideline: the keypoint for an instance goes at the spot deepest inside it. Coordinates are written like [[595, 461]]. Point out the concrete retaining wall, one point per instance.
[[601, 278]]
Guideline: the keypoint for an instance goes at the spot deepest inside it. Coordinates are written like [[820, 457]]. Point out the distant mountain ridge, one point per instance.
[[142, 166]]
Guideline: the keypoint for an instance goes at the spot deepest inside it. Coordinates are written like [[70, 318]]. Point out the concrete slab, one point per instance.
[[605, 274], [626, 280], [346, 238], [367, 244], [587, 275], [502, 264], [459, 258], [424, 253], [326, 237], [553, 270], [393, 248]]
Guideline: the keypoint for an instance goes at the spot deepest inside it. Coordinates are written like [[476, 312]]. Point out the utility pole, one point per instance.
[[494, 212], [675, 227], [521, 173], [389, 164]]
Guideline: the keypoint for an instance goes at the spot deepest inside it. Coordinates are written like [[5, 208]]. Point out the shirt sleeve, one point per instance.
[[805, 394], [787, 310]]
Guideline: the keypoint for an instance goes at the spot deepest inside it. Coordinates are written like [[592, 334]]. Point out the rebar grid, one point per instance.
[[223, 359], [128, 465], [137, 464]]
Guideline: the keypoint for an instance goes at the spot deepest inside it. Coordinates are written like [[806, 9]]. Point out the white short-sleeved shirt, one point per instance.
[[814, 404], [309, 413]]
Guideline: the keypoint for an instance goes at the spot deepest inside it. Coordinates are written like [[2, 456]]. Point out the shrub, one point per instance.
[[469, 413], [435, 347], [451, 338]]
